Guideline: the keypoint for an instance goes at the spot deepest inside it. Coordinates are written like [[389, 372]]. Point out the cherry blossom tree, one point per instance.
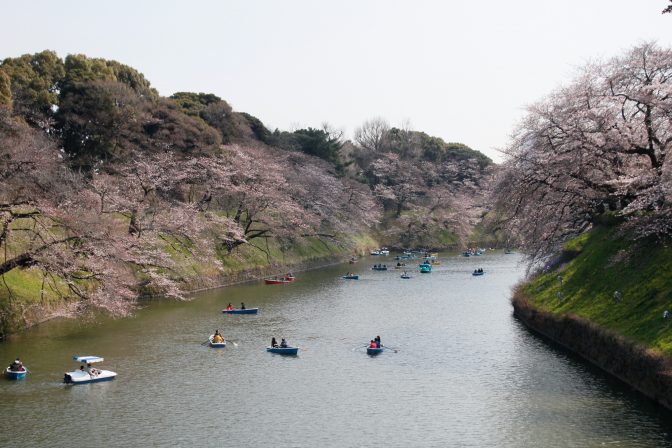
[[597, 145]]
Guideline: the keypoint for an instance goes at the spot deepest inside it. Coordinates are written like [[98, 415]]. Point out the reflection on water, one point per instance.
[[466, 373]]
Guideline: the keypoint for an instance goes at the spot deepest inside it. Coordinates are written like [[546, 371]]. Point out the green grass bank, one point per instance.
[[28, 297], [604, 298]]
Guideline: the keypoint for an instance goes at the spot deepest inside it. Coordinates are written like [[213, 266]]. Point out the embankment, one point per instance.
[[605, 298], [27, 299], [642, 368]]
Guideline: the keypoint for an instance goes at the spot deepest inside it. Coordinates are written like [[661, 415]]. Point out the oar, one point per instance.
[[390, 348]]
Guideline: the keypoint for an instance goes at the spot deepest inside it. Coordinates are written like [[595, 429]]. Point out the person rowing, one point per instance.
[[229, 307], [217, 338]]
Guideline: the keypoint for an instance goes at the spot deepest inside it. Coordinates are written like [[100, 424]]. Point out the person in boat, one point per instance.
[[242, 306], [283, 343], [229, 307], [91, 370], [274, 343], [373, 344], [217, 338], [378, 344], [16, 365]]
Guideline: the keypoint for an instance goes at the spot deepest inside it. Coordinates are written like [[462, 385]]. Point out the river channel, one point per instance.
[[465, 373]]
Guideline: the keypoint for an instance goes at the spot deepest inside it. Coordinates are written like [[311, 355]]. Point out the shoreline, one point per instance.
[[632, 363]]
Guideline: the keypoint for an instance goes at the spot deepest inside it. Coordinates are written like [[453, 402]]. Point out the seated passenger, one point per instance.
[[16, 365], [217, 338], [229, 307], [283, 343], [373, 344], [91, 371], [274, 343]]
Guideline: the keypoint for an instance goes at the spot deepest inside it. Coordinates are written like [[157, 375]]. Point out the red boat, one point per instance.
[[289, 278]]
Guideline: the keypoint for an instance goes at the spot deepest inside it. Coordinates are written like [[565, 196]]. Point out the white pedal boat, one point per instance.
[[87, 374]]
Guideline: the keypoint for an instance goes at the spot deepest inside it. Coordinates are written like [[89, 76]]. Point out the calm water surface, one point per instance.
[[466, 373]]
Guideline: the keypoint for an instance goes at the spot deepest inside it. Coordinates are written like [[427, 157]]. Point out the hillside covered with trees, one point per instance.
[[109, 191]]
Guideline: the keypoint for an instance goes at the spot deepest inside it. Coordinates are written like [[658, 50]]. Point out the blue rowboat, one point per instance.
[[241, 311], [16, 375], [283, 350], [405, 276], [477, 273], [216, 344], [374, 351], [351, 277], [425, 268]]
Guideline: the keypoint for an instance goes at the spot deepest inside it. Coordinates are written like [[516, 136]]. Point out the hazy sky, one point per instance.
[[462, 70]]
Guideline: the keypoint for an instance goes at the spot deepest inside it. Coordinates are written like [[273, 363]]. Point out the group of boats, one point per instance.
[[84, 375], [282, 349], [88, 374], [381, 251]]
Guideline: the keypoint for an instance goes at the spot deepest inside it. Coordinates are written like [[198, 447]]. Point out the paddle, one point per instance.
[[390, 348]]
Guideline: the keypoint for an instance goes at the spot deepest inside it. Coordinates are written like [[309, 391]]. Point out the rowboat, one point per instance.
[[278, 281], [351, 277], [406, 276], [379, 268], [283, 350], [241, 311], [476, 273], [16, 374], [425, 268], [374, 351], [216, 344], [88, 374]]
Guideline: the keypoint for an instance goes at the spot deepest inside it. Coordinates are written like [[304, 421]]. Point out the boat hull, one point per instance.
[[476, 274], [374, 351], [283, 350], [216, 344], [270, 281], [82, 377], [239, 311], [14, 375], [351, 277]]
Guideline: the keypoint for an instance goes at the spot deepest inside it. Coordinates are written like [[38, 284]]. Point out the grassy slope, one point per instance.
[[607, 262], [28, 291]]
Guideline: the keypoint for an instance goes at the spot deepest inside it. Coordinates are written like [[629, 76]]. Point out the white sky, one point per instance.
[[462, 70]]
